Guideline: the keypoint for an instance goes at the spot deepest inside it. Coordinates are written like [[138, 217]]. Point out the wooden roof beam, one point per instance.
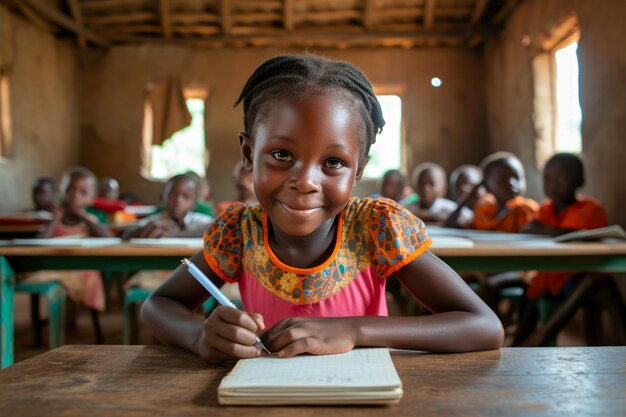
[[58, 18], [429, 13], [479, 9], [225, 11], [166, 18], [368, 14], [78, 18], [288, 15], [31, 15]]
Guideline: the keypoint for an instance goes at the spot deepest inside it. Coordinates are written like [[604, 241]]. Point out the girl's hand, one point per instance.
[[318, 336], [229, 333]]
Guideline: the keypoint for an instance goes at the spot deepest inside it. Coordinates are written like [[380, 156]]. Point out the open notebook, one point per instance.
[[361, 376]]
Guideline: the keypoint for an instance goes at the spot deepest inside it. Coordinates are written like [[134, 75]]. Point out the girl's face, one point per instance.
[[431, 185], [557, 184], [305, 158], [80, 193], [181, 198], [503, 182]]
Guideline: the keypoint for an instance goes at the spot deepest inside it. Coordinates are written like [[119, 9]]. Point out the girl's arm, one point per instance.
[[226, 334], [536, 227], [96, 229], [460, 322]]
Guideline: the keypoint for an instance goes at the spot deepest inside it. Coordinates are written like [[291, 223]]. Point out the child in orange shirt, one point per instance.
[[503, 209], [563, 212]]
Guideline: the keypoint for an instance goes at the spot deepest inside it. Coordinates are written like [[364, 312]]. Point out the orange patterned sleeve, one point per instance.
[[223, 243], [399, 237]]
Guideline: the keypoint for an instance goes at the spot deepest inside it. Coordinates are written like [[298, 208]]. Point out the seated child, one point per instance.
[[503, 208], [564, 211], [462, 181], [43, 194], [243, 187], [311, 261], [429, 180], [178, 219], [392, 185], [78, 187]]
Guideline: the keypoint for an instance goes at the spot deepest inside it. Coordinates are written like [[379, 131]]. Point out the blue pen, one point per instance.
[[215, 292]]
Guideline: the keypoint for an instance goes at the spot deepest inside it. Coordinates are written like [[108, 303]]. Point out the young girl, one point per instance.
[[311, 261], [78, 187]]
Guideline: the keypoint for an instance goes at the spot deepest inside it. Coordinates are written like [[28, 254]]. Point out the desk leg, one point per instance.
[[7, 283]]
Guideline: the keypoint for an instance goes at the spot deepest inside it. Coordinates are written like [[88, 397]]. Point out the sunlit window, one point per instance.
[[385, 154], [184, 150], [568, 113], [5, 116]]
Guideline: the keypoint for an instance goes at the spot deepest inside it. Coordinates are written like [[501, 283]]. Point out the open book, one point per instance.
[[361, 376], [610, 232], [69, 241]]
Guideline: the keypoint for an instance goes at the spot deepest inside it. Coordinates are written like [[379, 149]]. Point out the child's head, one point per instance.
[[503, 176], [243, 183], [78, 187], [309, 124], [392, 185], [463, 179], [180, 195], [109, 188], [429, 180], [43, 193], [563, 174]]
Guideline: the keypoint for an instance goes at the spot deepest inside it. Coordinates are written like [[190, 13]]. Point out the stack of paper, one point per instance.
[[362, 376]]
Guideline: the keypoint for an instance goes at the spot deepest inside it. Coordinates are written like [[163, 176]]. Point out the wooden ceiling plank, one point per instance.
[[265, 5], [225, 12], [78, 18], [477, 14], [328, 16], [256, 17], [104, 20], [55, 16], [111, 4], [166, 20], [31, 15], [429, 13], [288, 15], [191, 18]]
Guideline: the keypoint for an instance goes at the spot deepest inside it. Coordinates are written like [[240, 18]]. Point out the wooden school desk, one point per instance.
[[100, 380], [490, 257]]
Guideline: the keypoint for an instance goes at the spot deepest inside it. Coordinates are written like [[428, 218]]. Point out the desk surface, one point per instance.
[[157, 380], [521, 248]]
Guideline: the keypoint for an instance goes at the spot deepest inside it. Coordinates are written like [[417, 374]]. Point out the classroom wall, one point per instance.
[[445, 125], [43, 87], [602, 60]]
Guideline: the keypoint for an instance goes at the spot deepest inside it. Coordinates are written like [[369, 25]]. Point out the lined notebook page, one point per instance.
[[359, 368]]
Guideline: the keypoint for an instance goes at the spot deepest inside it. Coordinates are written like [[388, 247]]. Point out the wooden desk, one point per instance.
[[493, 257], [163, 381]]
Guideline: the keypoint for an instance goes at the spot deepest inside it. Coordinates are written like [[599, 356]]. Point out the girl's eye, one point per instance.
[[282, 156], [334, 164]]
